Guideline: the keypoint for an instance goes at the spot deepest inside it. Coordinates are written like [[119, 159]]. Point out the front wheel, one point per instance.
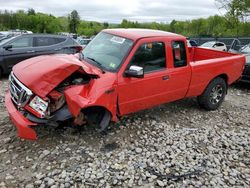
[[213, 95]]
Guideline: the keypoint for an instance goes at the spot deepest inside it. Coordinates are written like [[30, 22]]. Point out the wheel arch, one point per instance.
[[223, 76], [204, 100], [99, 109], [96, 107]]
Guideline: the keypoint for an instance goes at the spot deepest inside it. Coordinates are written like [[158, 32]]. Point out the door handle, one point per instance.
[[30, 51], [165, 77]]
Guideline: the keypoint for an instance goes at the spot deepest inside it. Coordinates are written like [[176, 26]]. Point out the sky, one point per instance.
[[113, 11]]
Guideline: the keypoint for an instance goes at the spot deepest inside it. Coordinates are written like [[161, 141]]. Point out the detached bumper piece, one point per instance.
[[22, 124]]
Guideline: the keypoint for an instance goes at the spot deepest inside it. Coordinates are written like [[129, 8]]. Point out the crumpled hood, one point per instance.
[[42, 74]]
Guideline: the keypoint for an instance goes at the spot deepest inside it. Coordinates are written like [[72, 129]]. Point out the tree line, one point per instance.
[[234, 23]]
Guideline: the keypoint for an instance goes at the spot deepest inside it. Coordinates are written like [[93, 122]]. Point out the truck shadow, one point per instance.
[[125, 129]]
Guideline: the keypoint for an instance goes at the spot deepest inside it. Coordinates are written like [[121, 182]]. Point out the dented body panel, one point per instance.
[[42, 74], [69, 85], [99, 92]]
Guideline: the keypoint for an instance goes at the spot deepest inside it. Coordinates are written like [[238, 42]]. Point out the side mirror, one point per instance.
[[7, 47], [135, 71]]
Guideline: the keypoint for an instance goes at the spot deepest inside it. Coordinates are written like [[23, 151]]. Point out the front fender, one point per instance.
[[81, 97]]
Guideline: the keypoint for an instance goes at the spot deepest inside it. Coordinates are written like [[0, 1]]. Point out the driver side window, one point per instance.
[[151, 56], [22, 42]]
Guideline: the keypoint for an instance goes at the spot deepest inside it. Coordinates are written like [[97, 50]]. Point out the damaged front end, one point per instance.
[[26, 109]]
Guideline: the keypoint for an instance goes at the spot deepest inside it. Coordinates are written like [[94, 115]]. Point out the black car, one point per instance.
[[246, 73], [18, 48]]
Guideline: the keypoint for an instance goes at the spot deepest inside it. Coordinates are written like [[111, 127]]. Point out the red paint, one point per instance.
[[55, 95], [42, 74], [31, 110], [207, 64], [22, 124], [122, 95], [93, 94]]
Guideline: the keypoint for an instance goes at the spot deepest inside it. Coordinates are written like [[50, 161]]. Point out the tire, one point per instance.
[[213, 95]]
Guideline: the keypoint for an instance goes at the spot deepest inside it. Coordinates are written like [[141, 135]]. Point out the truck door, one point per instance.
[[162, 82], [140, 93]]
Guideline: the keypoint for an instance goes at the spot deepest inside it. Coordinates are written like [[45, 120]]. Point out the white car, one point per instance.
[[83, 42], [216, 45]]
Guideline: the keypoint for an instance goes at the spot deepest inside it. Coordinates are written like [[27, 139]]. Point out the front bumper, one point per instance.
[[22, 124]]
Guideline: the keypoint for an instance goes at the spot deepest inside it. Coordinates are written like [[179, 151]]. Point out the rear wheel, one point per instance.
[[213, 95]]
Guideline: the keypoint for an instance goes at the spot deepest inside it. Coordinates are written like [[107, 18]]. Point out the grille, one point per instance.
[[20, 94], [246, 70]]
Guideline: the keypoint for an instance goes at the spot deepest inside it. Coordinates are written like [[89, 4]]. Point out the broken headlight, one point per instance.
[[39, 105]]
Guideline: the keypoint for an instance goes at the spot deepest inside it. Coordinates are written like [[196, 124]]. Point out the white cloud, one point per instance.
[[115, 10]]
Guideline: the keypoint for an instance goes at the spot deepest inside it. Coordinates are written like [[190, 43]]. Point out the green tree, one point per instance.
[[46, 23], [74, 21], [172, 26], [31, 11], [236, 11], [105, 25]]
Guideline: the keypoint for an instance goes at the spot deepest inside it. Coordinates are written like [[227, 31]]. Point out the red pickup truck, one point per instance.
[[120, 71]]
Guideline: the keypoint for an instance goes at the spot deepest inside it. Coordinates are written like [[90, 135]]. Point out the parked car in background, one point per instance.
[[192, 43], [92, 37], [246, 73], [6, 34], [18, 48], [12, 33], [83, 41], [1, 36], [72, 35], [16, 32], [216, 45]]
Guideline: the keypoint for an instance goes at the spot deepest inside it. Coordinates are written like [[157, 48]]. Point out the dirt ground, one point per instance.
[[175, 145]]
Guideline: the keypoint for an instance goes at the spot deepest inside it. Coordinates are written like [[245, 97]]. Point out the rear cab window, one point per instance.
[[179, 54], [151, 56]]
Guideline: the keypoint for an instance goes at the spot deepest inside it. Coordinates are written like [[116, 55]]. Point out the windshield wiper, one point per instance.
[[97, 63]]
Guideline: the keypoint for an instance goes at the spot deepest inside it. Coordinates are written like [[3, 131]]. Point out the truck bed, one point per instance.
[[199, 54], [207, 64]]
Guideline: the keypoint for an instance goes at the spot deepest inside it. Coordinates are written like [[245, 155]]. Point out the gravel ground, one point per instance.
[[174, 145]]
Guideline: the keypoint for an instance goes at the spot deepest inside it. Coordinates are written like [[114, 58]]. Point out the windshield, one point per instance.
[[107, 51], [5, 39]]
